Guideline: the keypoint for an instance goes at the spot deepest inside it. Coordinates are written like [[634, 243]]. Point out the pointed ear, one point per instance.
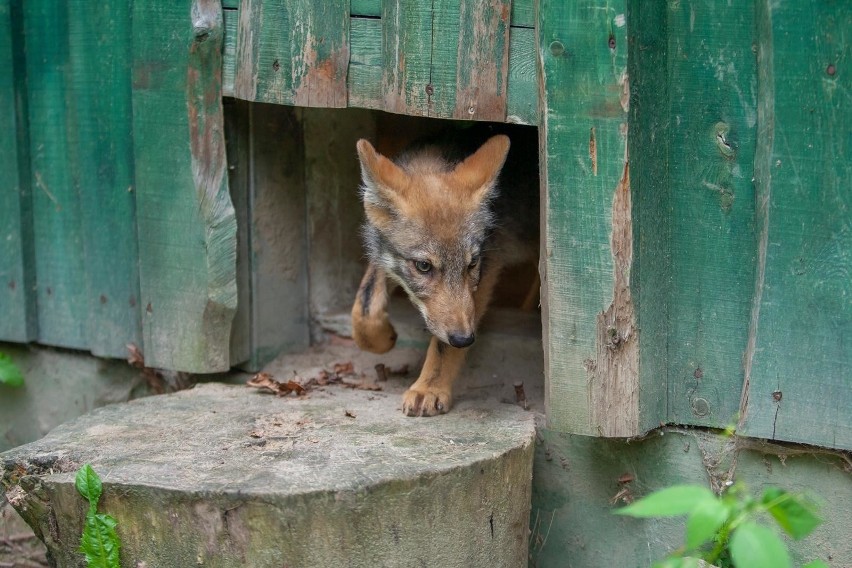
[[380, 175], [384, 185], [479, 171]]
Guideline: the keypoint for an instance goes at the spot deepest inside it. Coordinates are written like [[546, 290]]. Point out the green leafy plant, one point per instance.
[[10, 374], [723, 530], [99, 543]]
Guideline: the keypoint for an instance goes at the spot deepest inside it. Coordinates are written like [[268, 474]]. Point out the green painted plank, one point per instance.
[[578, 481], [185, 219], [799, 362], [711, 135], [591, 341], [522, 11], [649, 146], [523, 14], [482, 51], [18, 318], [370, 8], [62, 292], [102, 149], [407, 57], [522, 91], [446, 46], [293, 52], [231, 19], [364, 80]]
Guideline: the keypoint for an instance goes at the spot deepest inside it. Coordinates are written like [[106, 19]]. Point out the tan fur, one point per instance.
[[426, 210]]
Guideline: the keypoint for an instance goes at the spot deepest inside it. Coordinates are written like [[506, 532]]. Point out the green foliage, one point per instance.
[[10, 374], [724, 529], [99, 543]]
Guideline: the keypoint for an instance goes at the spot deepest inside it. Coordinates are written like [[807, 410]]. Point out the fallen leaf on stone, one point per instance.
[[344, 369], [265, 382], [349, 414]]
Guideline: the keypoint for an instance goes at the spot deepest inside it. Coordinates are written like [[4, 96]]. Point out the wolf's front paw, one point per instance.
[[375, 335], [426, 402]]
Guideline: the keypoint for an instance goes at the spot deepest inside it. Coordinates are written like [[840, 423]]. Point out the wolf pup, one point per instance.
[[432, 227]]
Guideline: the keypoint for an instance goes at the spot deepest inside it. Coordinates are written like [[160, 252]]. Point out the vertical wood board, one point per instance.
[[590, 337], [186, 222], [649, 150], [18, 318], [101, 144], [799, 361], [711, 136], [407, 56], [60, 266], [293, 52]]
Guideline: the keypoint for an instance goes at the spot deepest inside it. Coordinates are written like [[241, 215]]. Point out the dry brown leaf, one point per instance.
[[344, 369], [349, 414]]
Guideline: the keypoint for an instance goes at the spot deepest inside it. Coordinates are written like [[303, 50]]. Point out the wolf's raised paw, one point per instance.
[[423, 402]]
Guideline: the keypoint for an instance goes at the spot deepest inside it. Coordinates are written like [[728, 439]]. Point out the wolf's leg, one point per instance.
[[432, 392], [371, 328]]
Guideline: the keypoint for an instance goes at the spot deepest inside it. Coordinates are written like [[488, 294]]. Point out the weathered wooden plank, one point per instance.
[[591, 340], [369, 8], [364, 80], [522, 91], [231, 19], [711, 134], [523, 14], [445, 55], [18, 317], [62, 297], [648, 146], [187, 228], [798, 362], [293, 52], [101, 146], [407, 57], [482, 51]]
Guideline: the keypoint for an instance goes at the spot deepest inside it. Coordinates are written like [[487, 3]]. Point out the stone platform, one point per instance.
[[225, 476]]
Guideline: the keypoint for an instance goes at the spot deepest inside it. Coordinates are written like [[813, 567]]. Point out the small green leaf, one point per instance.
[[704, 522], [100, 544], [669, 502], [755, 546], [89, 484], [795, 514], [816, 564], [10, 374]]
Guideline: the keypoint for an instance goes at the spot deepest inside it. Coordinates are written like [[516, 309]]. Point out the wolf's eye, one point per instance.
[[473, 262], [423, 266]]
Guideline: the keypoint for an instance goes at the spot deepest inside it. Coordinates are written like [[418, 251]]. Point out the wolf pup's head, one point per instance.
[[427, 220]]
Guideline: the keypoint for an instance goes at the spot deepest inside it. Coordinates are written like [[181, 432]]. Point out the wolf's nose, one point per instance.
[[460, 340]]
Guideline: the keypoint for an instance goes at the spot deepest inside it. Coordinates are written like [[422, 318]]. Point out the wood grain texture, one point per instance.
[[231, 20], [800, 365], [522, 91], [187, 227], [407, 56], [101, 147], [482, 73], [60, 262], [711, 134], [585, 265], [649, 148], [18, 317], [293, 52], [365, 63]]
